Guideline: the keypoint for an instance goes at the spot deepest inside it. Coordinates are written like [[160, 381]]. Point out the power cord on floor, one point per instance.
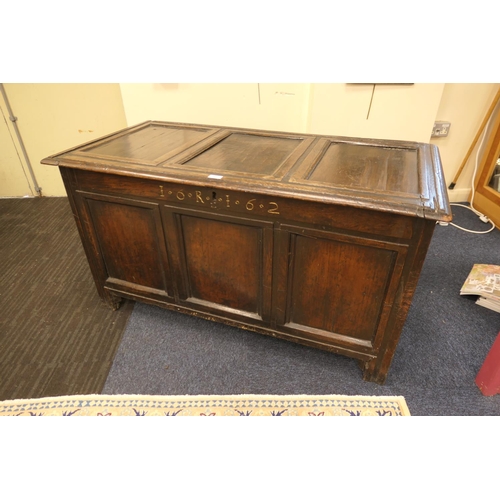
[[481, 216]]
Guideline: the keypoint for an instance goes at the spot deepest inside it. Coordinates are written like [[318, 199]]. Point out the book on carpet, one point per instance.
[[492, 304], [484, 281]]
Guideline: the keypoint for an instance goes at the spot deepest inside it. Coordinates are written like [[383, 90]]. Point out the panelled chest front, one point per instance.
[[314, 239]]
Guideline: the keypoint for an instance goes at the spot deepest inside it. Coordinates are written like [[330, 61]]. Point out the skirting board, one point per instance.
[[459, 195]]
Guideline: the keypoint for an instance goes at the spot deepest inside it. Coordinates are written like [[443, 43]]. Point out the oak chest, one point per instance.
[[314, 239]]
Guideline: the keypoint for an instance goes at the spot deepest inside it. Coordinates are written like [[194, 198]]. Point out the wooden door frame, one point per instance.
[[486, 199]]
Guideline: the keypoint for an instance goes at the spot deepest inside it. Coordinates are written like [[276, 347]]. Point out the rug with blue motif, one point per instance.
[[208, 406]]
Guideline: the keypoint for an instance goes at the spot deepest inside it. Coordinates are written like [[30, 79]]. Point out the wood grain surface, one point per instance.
[[313, 239]]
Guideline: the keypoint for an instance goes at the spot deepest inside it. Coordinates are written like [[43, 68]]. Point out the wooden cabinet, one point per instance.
[[313, 239]]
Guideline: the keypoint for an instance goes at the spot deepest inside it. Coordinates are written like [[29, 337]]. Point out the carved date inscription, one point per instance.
[[227, 201]]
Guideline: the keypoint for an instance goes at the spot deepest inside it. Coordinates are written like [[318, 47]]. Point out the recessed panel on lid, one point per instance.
[[368, 167], [246, 153], [148, 143]]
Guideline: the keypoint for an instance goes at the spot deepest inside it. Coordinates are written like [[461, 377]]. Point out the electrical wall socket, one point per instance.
[[440, 129]]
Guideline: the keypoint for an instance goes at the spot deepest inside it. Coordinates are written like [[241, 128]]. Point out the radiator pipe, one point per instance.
[[13, 119]]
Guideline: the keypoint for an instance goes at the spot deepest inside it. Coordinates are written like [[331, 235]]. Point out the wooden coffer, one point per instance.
[[314, 239]]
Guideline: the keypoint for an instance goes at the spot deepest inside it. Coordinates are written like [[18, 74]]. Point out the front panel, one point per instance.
[[129, 240], [340, 288], [222, 263]]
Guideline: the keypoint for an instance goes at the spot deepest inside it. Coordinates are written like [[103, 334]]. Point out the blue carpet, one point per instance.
[[443, 345]]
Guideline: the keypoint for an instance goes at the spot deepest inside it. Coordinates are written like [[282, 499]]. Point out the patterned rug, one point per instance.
[[208, 406]]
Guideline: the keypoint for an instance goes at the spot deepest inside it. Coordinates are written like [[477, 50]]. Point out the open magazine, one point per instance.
[[484, 281]]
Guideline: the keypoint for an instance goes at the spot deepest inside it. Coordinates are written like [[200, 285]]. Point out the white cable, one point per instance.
[[482, 217]]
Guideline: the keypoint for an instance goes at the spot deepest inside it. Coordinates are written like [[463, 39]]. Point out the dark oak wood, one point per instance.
[[313, 239]]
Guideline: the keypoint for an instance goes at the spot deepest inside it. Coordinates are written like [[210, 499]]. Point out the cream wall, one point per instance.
[[54, 117], [266, 106], [336, 109], [403, 112], [465, 106]]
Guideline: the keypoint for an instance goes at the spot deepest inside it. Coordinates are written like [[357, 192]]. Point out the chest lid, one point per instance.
[[396, 176]]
